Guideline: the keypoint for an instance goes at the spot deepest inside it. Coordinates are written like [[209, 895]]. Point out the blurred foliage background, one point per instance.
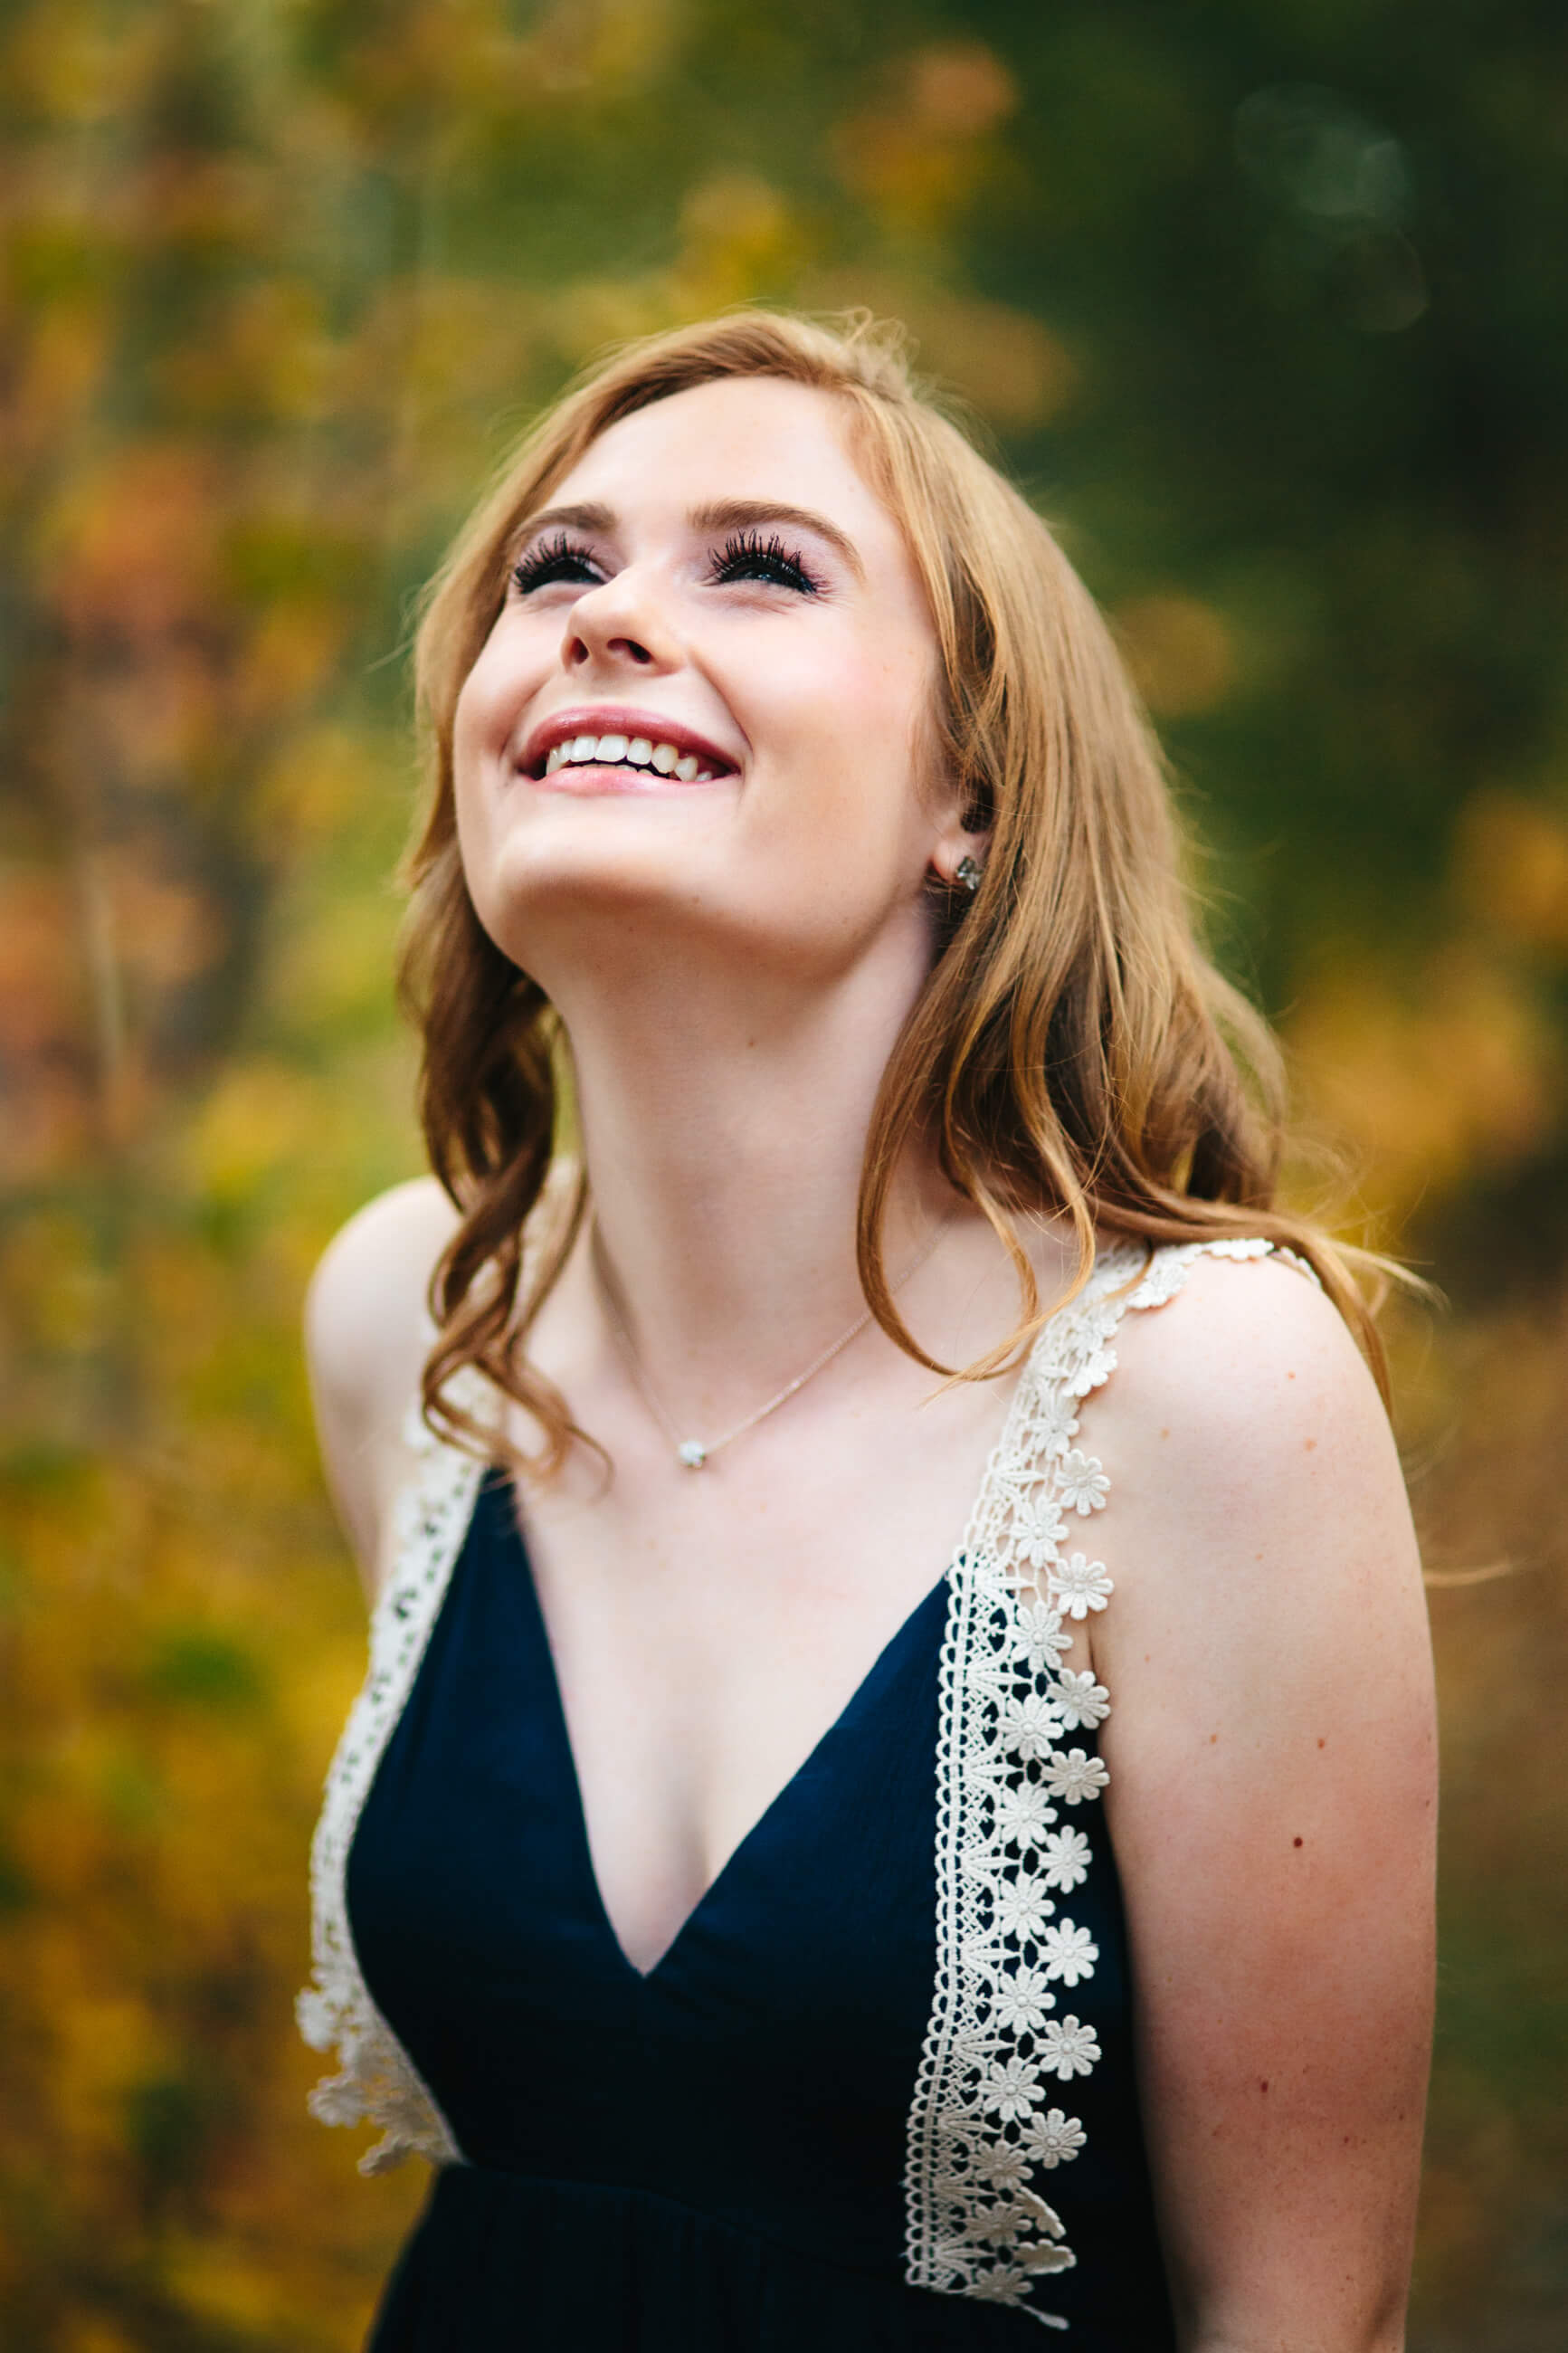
[[1261, 299]]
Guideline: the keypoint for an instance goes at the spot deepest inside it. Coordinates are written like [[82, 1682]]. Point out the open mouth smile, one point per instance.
[[635, 744], [617, 752]]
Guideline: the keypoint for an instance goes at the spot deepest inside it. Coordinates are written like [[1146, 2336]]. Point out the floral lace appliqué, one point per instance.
[[983, 2127], [376, 2081]]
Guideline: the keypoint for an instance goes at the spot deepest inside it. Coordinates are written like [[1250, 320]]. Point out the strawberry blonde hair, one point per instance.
[[1073, 1051]]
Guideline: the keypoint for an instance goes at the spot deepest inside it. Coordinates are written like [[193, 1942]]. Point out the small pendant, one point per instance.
[[692, 1452]]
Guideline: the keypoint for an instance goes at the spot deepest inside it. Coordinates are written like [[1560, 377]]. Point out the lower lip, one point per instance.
[[585, 782]]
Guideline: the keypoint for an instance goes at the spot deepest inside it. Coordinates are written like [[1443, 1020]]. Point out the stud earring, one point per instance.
[[966, 875]]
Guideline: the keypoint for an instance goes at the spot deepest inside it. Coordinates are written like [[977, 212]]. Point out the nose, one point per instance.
[[618, 626]]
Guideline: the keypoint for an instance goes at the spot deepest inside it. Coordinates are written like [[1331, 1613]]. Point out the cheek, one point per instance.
[[479, 721], [477, 730], [507, 672], [857, 734], [489, 709]]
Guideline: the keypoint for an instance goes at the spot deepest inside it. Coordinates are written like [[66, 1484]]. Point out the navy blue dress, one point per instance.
[[707, 2159]]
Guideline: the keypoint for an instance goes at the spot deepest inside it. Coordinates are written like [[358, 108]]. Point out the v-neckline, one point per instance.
[[733, 1859], [506, 1502]]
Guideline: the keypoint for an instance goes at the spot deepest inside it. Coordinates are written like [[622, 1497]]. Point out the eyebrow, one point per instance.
[[742, 514], [583, 518], [720, 515]]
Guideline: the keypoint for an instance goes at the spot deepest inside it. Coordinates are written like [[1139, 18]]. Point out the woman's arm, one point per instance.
[[1272, 1801]]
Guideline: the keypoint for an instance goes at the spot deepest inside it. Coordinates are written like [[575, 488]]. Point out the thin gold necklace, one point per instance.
[[694, 1452]]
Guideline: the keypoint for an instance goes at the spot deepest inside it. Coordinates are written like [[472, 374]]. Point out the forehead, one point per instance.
[[740, 438]]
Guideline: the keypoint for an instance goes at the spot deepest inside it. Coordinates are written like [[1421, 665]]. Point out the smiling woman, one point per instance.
[[793, 1875]]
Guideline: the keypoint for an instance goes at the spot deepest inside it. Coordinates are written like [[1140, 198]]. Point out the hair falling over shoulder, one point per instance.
[[1073, 1053]]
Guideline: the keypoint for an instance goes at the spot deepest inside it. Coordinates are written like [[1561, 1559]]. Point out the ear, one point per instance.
[[955, 843]]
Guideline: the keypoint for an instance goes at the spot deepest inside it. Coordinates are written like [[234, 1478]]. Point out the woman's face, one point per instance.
[[704, 703]]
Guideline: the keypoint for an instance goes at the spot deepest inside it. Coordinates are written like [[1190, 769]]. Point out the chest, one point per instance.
[[708, 1627]]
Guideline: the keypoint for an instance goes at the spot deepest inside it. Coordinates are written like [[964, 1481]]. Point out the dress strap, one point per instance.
[[986, 2128], [376, 2081]]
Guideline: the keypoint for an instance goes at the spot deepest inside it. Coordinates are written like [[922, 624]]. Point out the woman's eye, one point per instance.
[[554, 559], [749, 556]]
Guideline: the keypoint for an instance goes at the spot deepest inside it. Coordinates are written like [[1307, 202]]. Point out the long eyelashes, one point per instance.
[[745, 555], [559, 557]]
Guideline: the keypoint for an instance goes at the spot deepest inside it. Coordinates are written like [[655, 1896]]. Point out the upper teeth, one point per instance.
[[615, 751]]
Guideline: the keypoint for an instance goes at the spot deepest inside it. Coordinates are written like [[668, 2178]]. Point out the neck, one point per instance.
[[724, 1134]]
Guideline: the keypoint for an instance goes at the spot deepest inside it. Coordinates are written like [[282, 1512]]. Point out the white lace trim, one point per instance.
[[985, 2127], [980, 2124], [376, 2081]]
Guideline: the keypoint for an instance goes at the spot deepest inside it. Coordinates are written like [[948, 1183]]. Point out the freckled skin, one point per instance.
[[1276, 1515]]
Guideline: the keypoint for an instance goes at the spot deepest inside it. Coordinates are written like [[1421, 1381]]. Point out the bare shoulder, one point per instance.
[[1236, 1323], [1244, 1401], [367, 1332], [366, 1326], [1258, 1535], [1270, 1747], [1267, 1585]]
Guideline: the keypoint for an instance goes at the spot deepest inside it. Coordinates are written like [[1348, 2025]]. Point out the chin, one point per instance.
[[578, 885], [590, 864], [558, 835]]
